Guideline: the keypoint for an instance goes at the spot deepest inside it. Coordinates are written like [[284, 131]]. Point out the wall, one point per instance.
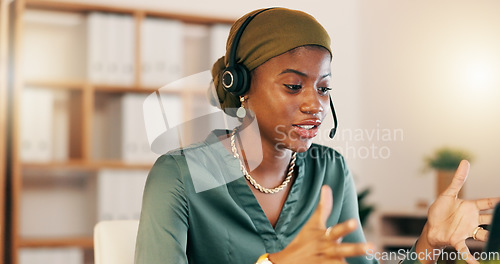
[[409, 76], [430, 68]]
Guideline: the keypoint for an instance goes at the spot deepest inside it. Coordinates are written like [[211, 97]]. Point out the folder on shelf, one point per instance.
[[162, 51], [170, 62], [119, 130], [135, 145], [126, 50], [147, 51], [119, 194], [96, 47], [37, 115], [111, 44]]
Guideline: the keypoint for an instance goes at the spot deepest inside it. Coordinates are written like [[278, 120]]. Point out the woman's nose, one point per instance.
[[311, 102]]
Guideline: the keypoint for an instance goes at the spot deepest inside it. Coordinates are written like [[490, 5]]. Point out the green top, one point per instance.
[[211, 215]]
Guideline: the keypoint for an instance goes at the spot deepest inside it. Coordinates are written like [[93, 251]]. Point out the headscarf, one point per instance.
[[269, 34]]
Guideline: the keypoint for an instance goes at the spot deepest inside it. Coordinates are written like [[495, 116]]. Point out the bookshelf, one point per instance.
[[55, 197]]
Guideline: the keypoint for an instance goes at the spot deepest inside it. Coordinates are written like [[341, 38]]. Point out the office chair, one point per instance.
[[114, 241]]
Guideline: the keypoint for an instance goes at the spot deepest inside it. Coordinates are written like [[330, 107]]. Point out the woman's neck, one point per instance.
[[265, 161]]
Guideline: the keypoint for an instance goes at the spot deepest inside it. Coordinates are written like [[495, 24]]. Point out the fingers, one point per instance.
[[482, 235], [323, 210], [487, 204], [485, 219], [325, 204], [464, 251], [458, 180], [346, 250], [339, 231]]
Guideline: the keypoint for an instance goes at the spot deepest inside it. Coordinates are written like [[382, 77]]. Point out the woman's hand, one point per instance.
[[452, 220], [317, 244]]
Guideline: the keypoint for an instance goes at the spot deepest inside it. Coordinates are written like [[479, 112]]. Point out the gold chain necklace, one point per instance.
[[252, 180]]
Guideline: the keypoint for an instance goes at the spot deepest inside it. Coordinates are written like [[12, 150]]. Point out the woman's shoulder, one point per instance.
[[200, 166], [326, 159]]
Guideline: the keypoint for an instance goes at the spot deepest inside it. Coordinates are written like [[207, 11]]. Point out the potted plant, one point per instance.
[[445, 161]]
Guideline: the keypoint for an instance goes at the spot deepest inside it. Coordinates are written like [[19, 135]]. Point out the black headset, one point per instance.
[[236, 77]]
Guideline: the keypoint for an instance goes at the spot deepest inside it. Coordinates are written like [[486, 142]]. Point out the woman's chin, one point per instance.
[[300, 146], [303, 148]]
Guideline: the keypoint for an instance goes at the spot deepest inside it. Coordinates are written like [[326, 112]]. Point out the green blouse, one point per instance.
[[198, 209]]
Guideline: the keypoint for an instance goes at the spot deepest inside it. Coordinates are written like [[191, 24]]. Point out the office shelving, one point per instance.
[[76, 174]]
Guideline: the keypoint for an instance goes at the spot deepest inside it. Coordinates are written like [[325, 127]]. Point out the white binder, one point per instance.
[[135, 144], [96, 47], [37, 125], [119, 193]]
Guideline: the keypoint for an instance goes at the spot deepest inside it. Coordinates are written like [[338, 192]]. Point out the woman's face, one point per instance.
[[289, 97]]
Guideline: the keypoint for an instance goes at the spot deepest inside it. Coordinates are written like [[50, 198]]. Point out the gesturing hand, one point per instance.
[[317, 244], [452, 220]]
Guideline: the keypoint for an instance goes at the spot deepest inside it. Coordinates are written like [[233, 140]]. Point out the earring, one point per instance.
[[241, 112]]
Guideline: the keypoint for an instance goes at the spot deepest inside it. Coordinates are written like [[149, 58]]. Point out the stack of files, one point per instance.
[[44, 125], [51, 255], [111, 49], [119, 194], [120, 131], [37, 114], [218, 39], [135, 145], [161, 51]]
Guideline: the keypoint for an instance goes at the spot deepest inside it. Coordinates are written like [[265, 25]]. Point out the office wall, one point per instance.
[[430, 68], [409, 77]]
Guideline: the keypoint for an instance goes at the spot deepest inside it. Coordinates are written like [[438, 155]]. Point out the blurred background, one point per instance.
[[409, 78]]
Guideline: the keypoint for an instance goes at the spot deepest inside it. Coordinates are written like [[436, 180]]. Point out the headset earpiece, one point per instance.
[[236, 79]]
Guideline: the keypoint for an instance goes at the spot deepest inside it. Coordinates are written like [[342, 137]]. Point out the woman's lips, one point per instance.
[[307, 129]]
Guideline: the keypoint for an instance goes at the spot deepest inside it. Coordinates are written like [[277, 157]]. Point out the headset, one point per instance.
[[236, 77]]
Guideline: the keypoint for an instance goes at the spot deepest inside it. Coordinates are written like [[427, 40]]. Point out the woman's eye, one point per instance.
[[324, 90], [294, 87]]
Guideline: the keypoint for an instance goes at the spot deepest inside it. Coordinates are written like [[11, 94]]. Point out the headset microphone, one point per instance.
[[335, 123]]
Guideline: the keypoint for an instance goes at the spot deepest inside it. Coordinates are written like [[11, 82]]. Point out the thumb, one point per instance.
[[325, 205]]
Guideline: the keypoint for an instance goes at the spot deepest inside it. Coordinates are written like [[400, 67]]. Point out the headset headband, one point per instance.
[[237, 37]]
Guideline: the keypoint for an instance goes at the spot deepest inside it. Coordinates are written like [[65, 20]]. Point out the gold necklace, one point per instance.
[[252, 180]]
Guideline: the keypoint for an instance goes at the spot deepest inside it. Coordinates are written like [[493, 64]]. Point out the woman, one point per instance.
[[296, 202]]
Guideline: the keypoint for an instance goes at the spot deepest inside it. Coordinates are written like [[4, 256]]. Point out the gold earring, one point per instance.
[[241, 112]]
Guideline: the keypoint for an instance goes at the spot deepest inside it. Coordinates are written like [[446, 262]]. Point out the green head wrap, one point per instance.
[[269, 34]]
